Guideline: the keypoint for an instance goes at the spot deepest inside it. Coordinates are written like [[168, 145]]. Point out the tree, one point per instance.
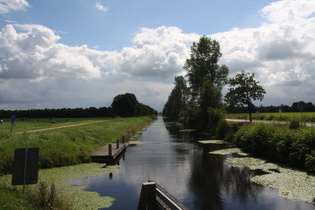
[[243, 89], [206, 79], [176, 100], [125, 105], [203, 65]]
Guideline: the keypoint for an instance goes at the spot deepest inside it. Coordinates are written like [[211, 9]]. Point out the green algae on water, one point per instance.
[[292, 184], [212, 142], [74, 195], [226, 151]]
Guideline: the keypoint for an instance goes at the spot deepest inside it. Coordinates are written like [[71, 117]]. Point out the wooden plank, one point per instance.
[[169, 196], [102, 154], [147, 196]]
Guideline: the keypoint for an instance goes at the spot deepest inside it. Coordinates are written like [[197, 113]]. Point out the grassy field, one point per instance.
[[59, 147], [41, 123], [65, 146], [286, 116]]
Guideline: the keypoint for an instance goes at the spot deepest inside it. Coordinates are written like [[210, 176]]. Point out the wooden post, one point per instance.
[[117, 143], [123, 139], [147, 196], [109, 149]]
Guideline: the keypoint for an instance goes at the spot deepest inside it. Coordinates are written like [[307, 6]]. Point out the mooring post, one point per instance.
[[147, 196], [109, 149], [123, 139], [117, 143]]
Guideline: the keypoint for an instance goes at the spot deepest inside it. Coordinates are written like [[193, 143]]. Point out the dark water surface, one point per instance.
[[185, 169]]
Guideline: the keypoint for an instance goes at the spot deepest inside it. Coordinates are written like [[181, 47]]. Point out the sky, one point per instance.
[[83, 53]]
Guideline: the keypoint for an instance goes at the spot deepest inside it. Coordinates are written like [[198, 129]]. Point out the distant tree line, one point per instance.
[[299, 106], [124, 105]]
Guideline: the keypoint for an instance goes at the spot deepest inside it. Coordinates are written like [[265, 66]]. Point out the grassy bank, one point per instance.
[[66, 146], [60, 147], [287, 116]]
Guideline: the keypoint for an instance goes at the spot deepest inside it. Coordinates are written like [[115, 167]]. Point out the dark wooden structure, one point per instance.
[[109, 153], [153, 196]]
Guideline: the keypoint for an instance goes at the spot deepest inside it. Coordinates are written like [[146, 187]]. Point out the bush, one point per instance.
[[310, 162], [291, 147], [222, 128], [255, 138], [294, 124]]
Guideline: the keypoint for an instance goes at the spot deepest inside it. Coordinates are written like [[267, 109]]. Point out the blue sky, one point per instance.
[[82, 53], [81, 22]]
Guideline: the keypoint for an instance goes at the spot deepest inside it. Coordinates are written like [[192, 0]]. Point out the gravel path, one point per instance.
[[54, 128]]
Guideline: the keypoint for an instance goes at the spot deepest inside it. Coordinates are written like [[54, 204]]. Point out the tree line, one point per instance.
[[299, 106], [123, 105]]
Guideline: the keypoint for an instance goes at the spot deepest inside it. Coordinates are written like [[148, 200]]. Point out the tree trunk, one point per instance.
[[249, 112]]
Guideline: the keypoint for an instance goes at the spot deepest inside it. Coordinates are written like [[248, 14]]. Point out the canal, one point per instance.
[[182, 166]]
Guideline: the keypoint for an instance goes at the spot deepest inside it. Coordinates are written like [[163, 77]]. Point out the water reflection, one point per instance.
[[184, 168]]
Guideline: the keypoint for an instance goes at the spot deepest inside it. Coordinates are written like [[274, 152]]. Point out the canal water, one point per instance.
[[183, 167]]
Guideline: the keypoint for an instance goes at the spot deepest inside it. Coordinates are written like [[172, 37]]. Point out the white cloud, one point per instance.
[[36, 71], [101, 7], [6, 6], [279, 51], [159, 52], [31, 56]]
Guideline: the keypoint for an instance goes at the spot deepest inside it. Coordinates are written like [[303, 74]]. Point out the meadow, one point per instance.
[[285, 116], [64, 146]]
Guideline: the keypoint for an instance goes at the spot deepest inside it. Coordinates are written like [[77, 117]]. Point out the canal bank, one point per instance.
[[185, 169]]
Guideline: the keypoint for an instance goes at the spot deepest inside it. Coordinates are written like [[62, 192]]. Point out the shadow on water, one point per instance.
[[185, 169]]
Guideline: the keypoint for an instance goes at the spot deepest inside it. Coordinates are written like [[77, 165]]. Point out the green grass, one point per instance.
[[66, 146], [59, 147], [41, 123], [286, 116]]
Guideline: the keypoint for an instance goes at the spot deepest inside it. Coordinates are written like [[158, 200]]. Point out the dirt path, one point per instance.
[[54, 128]]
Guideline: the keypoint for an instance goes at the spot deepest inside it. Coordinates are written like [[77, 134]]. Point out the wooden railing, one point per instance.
[[153, 196]]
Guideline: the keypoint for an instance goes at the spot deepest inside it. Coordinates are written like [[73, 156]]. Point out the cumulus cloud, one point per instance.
[[279, 51], [6, 6], [36, 69], [31, 56], [159, 52], [32, 52]]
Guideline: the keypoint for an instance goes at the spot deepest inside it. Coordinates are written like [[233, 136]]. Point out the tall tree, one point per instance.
[[203, 65], [243, 89], [206, 79], [176, 100]]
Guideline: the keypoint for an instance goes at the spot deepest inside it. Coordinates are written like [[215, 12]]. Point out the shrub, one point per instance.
[[222, 128], [294, 124], [46, 198], [310, 162], [271, 117], [291, 147]]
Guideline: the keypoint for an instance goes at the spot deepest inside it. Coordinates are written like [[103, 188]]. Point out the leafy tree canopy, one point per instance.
[[243, 89], [203, 64]]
